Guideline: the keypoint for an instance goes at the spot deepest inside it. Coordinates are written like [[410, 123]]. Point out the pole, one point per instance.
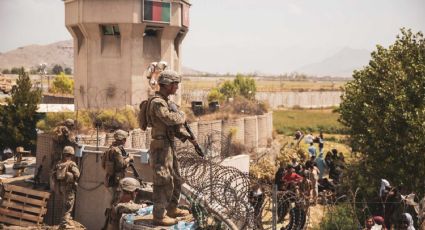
[[274, 202], [97, 138]]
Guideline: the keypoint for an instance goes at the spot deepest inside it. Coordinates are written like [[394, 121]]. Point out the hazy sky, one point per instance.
[[272, 36]]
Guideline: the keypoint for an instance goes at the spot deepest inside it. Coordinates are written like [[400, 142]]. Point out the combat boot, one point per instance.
[[177, 213], [166, 221]]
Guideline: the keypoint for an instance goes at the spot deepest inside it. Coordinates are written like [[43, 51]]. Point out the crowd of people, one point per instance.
[[313, 175]]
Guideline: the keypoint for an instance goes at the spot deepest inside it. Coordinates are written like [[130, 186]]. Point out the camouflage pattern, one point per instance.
[[167, 77], [166, 125], [122, 208], [68, 150], [62, 136], [115, 161], [68, 188], [129, 184], [120, 135]]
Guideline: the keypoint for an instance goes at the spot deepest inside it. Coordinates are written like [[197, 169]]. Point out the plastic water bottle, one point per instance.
[[145, 211], [180, 226], [129, 219]]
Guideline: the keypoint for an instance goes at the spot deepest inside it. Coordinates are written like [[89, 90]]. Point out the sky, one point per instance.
[[230, 36]]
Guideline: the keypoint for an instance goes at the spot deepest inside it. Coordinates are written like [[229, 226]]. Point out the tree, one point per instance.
[[62, 84], [15, 70], [215, 95], [246, 86], [57, 69], [18, 117], [5, 71], [228, 89], [384, 110], [68, 71]]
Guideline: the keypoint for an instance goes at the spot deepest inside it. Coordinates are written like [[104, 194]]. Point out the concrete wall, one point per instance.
[[310, 99], [240, 162]]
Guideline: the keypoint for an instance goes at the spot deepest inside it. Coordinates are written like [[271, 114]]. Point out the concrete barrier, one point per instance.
[[251, 132], [263, 128], [209, 134]]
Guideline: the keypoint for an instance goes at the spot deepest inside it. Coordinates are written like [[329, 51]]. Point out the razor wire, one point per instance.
[[231, 192]]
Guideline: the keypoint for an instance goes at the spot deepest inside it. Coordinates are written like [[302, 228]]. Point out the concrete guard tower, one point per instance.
[[116, 40]]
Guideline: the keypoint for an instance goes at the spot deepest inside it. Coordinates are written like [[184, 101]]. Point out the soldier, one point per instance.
[[63, 136], [128, 187], [115, 160], [65, 175], [166, 122]]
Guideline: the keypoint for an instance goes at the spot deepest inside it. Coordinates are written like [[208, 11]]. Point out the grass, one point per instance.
[[287, 122]]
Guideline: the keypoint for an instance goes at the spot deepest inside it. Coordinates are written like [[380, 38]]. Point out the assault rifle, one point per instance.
[[135, 172], [192, 136]]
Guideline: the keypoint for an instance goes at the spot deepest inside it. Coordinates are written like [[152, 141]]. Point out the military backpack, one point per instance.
[[144, 119]]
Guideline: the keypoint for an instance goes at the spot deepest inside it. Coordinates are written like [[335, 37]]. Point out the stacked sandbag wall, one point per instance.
[[109, 138], [138, 139]]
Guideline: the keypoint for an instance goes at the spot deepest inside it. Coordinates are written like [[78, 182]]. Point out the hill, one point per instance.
[[32, 55], [61, 53], [341, 64]]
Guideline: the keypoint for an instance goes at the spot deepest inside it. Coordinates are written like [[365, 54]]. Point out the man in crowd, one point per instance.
[[312, 150]]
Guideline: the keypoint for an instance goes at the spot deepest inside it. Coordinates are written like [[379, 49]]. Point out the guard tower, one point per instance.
[[116, 40]]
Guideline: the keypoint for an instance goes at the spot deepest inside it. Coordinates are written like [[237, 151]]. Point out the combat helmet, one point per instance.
[[120, 135], [129, 184], [167, 77], [69, 122], [68, 150]]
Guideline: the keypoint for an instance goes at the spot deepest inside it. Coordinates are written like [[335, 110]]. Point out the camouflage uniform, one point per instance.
[[62, 136], [166, 125], [115, 161], [67, 186], [127, 185]]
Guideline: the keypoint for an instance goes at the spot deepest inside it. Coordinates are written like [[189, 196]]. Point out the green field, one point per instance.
[[314, 120]]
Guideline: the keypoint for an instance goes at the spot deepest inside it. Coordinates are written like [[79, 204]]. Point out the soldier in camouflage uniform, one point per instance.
[[65, 175], [166, 122], [115, 160], [125, 205], [63, 136]]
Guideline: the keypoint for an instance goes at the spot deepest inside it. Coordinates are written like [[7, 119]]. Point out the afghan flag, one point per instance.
[[156, 11]]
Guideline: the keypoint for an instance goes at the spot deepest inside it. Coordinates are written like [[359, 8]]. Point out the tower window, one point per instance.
[[111, 30]]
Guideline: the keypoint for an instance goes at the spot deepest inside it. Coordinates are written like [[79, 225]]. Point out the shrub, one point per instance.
[[339, 217], [62, 84], [215, 95]]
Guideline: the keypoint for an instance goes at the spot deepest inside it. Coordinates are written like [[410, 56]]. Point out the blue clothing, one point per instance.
[[321, 164], [312, 150]]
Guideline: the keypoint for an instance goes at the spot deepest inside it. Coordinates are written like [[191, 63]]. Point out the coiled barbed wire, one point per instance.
[[229, 191]]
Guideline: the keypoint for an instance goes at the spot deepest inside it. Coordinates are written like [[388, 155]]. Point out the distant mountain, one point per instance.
[[61, 53], [30, 56], [341, 64]]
